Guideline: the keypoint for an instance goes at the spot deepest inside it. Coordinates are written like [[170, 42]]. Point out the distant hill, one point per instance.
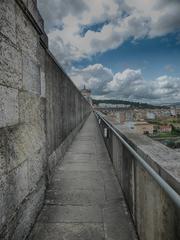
[[168, 105], [132, 104], [176, 104]]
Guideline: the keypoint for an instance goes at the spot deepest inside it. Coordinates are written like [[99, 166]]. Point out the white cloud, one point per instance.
[[167, 87], [124, 19], [164, 14], [94, 77], [120, 20], [125, 79], [55, 11], [68, 45], [129, 84]]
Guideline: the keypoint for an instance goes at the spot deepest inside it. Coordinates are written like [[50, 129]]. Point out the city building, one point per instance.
[[173, 111], [150, 115], [165, 128], [143, 128]]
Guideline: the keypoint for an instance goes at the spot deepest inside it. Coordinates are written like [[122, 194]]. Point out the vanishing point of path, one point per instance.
[[84, 200]]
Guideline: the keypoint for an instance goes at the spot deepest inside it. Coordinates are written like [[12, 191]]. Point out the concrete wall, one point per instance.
[[153, 213], [40, 112], [66, 108]]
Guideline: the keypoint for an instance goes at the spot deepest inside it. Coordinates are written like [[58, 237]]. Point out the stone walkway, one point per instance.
[[84, 200]]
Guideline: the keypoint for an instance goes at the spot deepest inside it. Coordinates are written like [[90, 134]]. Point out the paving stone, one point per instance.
[[62, 231], [85, 138], [79, 166], [84, 199], [104, 164], [78, 180], [75, 183], [81, 147], [78, 174], [116, 232], [70, 214], [76, 197], [117, 222], [80, 157], [112, 191]]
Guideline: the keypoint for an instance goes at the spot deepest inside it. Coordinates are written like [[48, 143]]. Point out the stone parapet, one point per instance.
[[154, 213]]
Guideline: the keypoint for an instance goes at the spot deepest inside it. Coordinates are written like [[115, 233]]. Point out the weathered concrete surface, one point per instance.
[[10, 64], [84, 200], [154, 214], [65, 109], [8, 19], [9, 113], [40, 113]]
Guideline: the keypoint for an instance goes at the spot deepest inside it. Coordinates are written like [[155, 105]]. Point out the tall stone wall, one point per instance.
[[40, 112], [65, 109]]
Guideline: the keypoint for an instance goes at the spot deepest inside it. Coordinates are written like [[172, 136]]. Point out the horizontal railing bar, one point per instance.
[[173, 195]]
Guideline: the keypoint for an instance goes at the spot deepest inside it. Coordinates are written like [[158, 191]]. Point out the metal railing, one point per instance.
[[173, 195]]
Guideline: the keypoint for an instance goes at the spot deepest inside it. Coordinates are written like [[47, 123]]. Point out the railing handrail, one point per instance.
[[173, 195]]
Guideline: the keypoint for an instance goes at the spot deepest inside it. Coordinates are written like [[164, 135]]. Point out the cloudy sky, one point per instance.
[[122, 49]]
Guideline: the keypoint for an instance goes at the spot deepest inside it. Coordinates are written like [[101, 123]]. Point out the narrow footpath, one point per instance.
[[84, 200]]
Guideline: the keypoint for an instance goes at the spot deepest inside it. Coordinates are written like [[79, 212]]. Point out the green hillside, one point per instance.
[[132, 104]]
